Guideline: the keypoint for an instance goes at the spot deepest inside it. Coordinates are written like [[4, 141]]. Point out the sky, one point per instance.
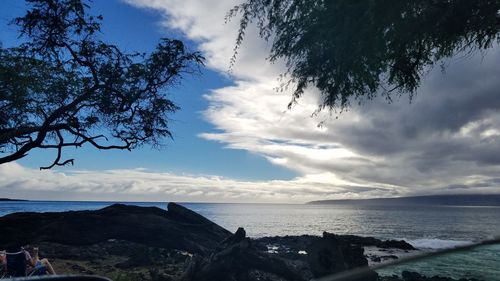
[[236, 141]]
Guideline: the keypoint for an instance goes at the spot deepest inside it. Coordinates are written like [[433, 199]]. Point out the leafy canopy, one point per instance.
[[356, 49], [65, 87]]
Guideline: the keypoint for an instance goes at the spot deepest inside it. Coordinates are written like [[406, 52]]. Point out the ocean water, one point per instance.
[[431, 227]]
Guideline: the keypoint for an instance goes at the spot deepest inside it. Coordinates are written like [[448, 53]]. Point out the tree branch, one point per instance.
[[8, 134], [127, 146], [59, 152]]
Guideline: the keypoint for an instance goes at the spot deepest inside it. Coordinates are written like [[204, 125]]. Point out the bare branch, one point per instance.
[[59, 152]]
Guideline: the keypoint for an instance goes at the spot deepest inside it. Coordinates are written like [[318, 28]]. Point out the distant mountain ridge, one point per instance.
[[443, 200]]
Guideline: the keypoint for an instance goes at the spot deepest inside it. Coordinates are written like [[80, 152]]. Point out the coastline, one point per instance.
[[453, 200], [12, 200], [174, 241]]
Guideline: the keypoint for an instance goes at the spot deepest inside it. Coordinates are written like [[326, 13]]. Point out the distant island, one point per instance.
[[10, 199], [436, 200]]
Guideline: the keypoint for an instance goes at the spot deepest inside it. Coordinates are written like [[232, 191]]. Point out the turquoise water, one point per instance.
[[481, 263]]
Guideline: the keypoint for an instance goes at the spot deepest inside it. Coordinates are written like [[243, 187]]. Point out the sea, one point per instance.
[[429, 228]]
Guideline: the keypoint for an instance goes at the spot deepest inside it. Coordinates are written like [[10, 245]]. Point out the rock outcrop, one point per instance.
[[331, 255], [371, 241], [149, 243], [297, 243], [238, 259], [178, 228]]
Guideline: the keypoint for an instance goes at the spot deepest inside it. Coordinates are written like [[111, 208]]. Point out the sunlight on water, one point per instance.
[[390, 222], [429, 227]]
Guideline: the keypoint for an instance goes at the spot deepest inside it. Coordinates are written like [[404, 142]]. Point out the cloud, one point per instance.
[[144, 185], [446, 140]]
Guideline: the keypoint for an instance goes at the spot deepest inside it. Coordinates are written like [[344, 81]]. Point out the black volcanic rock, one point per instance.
[[154, 244], [238, 259], [326, 257], [331, 255], [371, 241], [298, 243], [178, 228], [415, 276]]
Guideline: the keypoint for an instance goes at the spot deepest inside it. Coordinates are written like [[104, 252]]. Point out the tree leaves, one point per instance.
[[356, 50]]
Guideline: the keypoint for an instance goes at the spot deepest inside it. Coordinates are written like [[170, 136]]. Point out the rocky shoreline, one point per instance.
[[146, 243]]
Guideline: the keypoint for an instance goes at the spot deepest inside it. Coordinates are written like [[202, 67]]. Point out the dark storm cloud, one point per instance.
[[457, 186], [446, 125]]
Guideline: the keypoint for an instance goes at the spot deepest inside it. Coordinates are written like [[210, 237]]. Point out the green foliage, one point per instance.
[[358, 49], [63, 85]]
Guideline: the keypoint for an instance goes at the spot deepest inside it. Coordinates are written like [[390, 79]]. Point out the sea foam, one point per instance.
[[436, 244]]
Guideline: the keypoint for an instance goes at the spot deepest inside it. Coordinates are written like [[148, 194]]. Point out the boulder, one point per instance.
[[237, 259], [332, 255], [411, 276]]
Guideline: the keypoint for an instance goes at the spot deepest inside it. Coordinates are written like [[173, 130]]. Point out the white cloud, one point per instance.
[[446, 138], [143, 185]]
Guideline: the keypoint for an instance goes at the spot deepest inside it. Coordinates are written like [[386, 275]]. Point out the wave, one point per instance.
[[436, 244]]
